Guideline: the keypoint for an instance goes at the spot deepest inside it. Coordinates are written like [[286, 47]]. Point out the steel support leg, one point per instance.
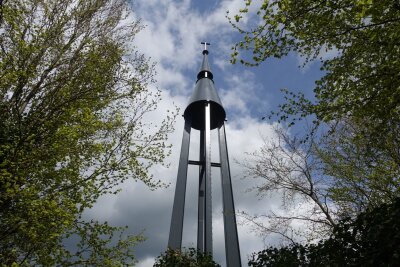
[[175, 233], [231, 236], [201, 201], [208, 205]]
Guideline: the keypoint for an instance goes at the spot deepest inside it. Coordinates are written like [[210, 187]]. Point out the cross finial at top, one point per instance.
[[205, 45]]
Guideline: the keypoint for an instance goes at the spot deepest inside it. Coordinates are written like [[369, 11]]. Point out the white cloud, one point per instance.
[[147, 262], [172, 39], [239, 94]]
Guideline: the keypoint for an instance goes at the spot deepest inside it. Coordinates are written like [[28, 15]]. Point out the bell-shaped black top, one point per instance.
[[204, 92]]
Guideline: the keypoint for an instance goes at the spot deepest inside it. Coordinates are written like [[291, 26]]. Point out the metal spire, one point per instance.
[[205, 92], [205, 113]]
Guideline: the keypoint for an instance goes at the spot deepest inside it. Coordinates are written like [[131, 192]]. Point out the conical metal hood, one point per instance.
[[205, 71], [204, 92]]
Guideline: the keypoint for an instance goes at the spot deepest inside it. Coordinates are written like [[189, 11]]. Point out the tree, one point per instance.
[[362, 176], [361, 81], [186, 258], [289, 166], [357, 98], [1, 9], [321, 179], [74, 94], [372, 239]]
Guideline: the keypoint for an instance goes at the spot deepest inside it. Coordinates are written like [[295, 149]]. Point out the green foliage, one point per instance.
[[372, 239], [363, 175], [97, 245], [362, 79], [73, 100], [358, 97], [185, 258]]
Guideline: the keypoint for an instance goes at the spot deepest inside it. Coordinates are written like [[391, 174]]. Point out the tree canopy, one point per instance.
[[356, 101], [361, 80], [372, 239], [185, 258], [74, 94]]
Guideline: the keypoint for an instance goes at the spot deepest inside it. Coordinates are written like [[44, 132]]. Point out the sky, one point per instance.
[[171, 39]]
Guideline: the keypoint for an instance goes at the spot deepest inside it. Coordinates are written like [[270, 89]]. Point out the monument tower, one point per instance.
[[205, 113]]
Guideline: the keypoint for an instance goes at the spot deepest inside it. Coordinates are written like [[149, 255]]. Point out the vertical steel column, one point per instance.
[[175, 233], [208, 205], [231, 237], [201, 199]]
